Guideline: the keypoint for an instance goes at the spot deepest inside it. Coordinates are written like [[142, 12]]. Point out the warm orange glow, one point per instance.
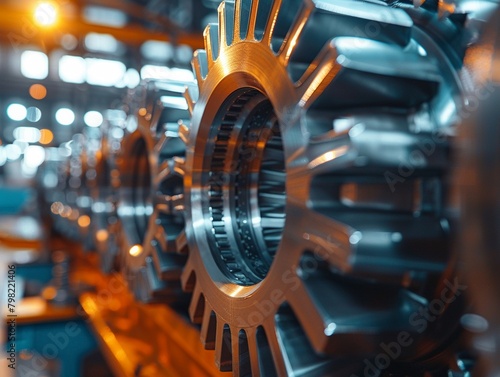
[[84, 221], [38, 91], [45, 14], [135, 250], [49, 293], [46, 136], [102, 235], [142, 111]]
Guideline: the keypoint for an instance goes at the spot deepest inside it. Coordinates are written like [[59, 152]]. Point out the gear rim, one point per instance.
[[213, 292]]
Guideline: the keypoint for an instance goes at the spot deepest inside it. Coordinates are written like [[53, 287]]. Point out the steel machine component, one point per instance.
[[150, 162], [104, 223], [315, 185]]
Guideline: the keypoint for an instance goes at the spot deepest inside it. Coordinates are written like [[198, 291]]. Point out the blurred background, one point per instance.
[[65, 63], [65, 68]]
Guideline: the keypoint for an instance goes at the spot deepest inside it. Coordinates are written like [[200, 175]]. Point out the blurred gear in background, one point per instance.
[[150, 162]]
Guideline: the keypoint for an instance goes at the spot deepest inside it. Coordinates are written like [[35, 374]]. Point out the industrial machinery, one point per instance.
[[301, 195]]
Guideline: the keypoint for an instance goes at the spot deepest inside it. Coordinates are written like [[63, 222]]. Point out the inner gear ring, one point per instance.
[[247, 187]]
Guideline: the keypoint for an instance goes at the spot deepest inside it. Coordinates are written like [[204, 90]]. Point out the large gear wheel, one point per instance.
[[150, 162], [316, 188]]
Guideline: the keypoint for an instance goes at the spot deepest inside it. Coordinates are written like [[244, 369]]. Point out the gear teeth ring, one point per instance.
[[307, 246]]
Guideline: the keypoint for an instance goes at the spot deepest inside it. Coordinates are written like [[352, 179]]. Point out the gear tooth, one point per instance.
[[221, 14], [337, 323], [235, 353], [183, 132], [197, 305], [167, 266], [159, 239], [211, 35], [445, 8], [318, 76], [188, 277], [181, 244], [347, 60], [253, 354], [292, 37], [252, 20], [271, 353], [189, 100], [143, 123], [350, 19], [161, 141], [179, 165], [223, 358], [237, 22], [208, 328], [200, 66], [271, 22]]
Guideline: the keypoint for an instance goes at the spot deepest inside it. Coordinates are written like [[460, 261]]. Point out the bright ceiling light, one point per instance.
[[34, 65], [93, 118], [72, 69], [65, 116], [104, 16], [34, 156], [160, 72], [17, 112], [157, 50], [104, 72], [3, 156], [45, 14], [101, 43], [132, 78], [27, 134], [13, 152]]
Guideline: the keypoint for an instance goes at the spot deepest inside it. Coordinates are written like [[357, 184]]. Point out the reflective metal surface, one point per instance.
[[301, 191], [141, 340], [150, 164], [316, 187]]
